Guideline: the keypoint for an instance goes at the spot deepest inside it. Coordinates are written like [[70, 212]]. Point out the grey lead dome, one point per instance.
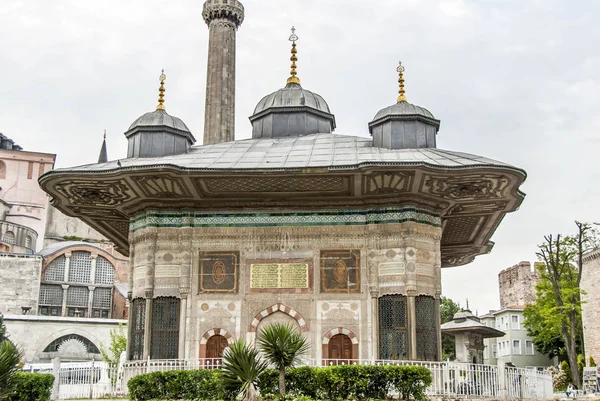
[[159, 118], [291, 111], [403, 109], [292, 95]]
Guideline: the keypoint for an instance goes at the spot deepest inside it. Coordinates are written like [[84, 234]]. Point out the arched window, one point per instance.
[[78, 269], [9, 237], [2, 170], [164, 336], [28, 241], [425, 313], [393, 324], [55, 345]]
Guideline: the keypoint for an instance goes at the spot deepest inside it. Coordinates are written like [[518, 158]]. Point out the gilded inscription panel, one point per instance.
[[219, 271], [340, 271], [279, 275]]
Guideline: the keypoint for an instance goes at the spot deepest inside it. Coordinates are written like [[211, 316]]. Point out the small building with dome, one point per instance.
[[343, 237]]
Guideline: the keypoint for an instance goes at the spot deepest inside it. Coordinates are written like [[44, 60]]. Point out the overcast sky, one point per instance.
[[513, 80]]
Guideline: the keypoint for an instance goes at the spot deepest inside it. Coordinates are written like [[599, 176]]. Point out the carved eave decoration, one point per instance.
[[471, 200]]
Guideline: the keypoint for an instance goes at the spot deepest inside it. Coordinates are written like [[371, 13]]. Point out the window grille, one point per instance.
[[138, 322], [425, 313], [56, 270], [51, 295], [392, 327], [9, 237], [28, 241], [165, 328], [102, 298], [80, 268], [78, 296], [105, 272], [54, 345]]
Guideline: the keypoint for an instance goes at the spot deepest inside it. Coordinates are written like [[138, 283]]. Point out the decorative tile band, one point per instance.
[[284, 219]]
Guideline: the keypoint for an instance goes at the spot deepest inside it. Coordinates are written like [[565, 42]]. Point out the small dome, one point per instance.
[[292, 95], [159, 118], [403, 109]]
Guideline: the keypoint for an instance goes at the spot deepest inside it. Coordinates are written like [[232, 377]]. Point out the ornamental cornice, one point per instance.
[[592, 255], [471, 201]]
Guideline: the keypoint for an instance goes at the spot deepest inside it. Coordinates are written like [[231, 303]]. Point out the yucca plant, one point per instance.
[[241, 369], [10, 356], [282, 345]]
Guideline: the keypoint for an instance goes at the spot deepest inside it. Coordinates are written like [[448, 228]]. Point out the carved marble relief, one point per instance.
[[479, 187], [219, 272], [340, 271], [162, 187]]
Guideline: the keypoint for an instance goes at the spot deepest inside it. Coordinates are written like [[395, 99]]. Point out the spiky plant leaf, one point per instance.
[[241, 368], [10, 356]]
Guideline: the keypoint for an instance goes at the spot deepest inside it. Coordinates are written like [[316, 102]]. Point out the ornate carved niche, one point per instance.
[[97, 193], [162, 186], [387, 183], [474, 187]]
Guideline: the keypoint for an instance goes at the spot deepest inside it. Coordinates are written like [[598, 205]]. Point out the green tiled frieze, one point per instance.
[[283, 219]]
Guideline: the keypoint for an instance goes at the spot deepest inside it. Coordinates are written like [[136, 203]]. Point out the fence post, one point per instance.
[[502, 380], [56, 374]]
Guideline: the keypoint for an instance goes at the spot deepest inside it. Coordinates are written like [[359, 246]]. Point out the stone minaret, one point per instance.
[[223, 17]]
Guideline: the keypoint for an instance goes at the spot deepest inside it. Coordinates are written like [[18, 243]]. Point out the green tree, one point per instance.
[[2, 329], [282, 346], [10, 356], [241, 369], [112, 356], [448, 309], [558, 307]]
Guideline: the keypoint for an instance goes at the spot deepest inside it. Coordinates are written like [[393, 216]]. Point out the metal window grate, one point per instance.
[[392, 327], [80, 268], [9, 237], [165, 328], [56, 270], [105, 271], [78, 296], [51, 295], [425, 314], [102, 298], [138, 322]]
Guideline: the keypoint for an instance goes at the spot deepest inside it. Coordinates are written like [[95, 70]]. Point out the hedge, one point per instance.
[[351, 382], [31, 387], [201, 384], [331, 383]]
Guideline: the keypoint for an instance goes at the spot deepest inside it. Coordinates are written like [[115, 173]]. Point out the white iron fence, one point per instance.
[[458, 380]]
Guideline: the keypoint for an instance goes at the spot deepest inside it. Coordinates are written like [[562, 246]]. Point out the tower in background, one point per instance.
[[223, 18]]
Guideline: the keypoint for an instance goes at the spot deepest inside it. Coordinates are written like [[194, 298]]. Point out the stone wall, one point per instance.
[[395, 258], [517, 285], [19, 283], [34, 333], [59, 226], [591, 304]]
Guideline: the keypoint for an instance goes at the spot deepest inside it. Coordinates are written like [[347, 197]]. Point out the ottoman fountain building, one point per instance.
[[342, 236]]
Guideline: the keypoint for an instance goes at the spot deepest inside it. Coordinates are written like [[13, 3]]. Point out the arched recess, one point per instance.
[[210, 333], [279, 308], [336, 332]]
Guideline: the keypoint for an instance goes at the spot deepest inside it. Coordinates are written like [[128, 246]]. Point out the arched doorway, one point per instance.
[[340, 349], [215, 346]]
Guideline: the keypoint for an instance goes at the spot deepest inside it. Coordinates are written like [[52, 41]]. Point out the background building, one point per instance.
[[590, 309], [59, 297], [517, 284]]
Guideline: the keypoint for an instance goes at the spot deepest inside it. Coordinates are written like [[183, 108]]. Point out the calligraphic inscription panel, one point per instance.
[[279, 275], [340, 271], [219, 271]]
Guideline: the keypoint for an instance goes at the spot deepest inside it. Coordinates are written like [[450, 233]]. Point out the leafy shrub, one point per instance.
[[592, 362], [201, 384], [350, 382], [31, 387]]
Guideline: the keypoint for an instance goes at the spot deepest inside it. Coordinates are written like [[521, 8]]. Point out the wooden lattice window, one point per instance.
[[165, 328]]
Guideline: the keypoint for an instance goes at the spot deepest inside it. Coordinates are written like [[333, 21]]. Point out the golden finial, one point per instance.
[[293, 79], [161, 90], [104, 134], [400, 69]]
